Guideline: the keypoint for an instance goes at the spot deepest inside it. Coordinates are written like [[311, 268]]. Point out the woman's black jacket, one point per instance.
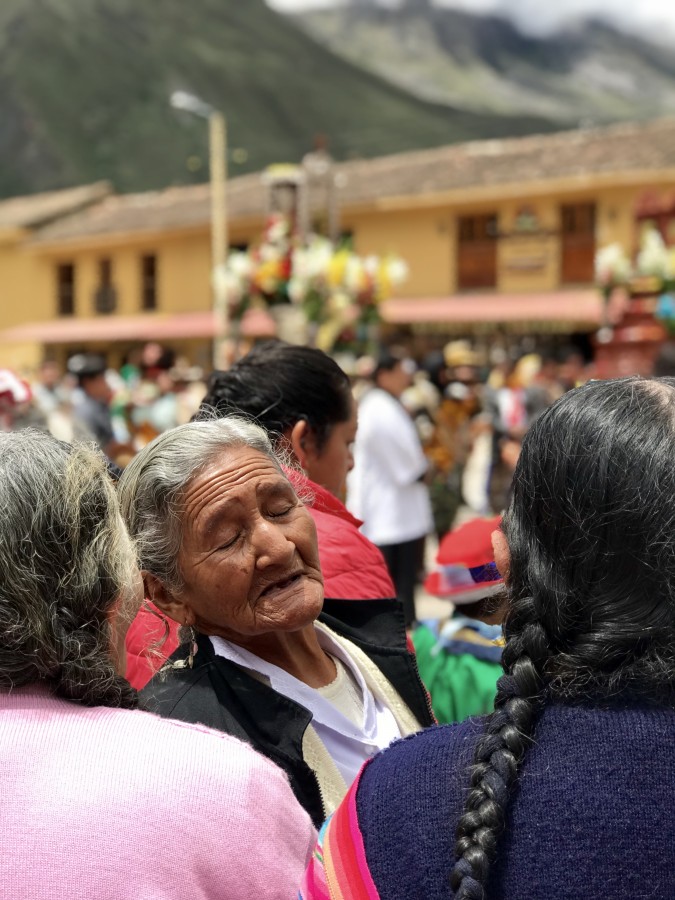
[[219, 694]]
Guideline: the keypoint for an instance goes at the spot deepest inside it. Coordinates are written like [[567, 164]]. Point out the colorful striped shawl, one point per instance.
[[338, 869]]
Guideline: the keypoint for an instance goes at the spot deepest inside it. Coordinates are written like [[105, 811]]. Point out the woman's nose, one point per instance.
[[271, 545]]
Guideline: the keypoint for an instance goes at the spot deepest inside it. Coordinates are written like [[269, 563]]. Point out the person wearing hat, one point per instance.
[[91, 403], [459, 659], [386, 488], [456, 422], [17, 409]]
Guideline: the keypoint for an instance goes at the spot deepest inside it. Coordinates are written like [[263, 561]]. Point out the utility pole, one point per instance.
[[219, 239]]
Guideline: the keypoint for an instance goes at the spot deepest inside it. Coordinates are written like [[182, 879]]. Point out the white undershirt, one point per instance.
[[384, 488], [349, 738], [344, 693]]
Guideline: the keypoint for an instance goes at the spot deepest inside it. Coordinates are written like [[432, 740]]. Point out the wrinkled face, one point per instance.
[[249, 556], [330, 465]]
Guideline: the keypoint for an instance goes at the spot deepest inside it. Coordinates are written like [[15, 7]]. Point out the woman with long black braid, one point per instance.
[[565, 791]]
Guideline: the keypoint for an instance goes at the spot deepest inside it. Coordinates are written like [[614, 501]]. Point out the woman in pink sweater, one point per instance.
[[100, 800]]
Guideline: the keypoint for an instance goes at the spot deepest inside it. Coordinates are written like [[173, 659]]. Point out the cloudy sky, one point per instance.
[[648, 15]]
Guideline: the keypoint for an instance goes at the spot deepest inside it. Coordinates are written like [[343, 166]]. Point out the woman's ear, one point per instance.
[[502, 553], [299, 439], [157, 592]]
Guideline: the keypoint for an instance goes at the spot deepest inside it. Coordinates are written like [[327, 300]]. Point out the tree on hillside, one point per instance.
[[417, 6], [412, 5]]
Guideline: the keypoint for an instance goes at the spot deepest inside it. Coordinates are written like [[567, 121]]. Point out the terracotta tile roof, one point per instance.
[[38, 209], [618, 148], [176, 207]]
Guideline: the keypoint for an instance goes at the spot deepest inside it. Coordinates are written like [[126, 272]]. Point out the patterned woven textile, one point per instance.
[[338, 869]]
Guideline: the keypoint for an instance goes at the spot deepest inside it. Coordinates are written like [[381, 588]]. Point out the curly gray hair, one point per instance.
[[68, 566]]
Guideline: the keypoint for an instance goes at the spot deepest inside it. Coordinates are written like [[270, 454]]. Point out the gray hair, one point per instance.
[[67, 566], [153, 485]]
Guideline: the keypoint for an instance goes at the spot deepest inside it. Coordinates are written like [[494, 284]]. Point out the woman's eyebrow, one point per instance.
[[215, 517], [282, 487]]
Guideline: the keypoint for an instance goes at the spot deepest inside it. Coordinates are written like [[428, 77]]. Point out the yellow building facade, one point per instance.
[[494, 233]]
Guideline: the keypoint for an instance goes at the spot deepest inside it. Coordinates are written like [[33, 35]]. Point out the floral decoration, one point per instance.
[[653, 272], [337, 289]]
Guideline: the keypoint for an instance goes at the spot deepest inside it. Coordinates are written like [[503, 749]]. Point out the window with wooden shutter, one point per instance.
[[477, 252], [577, 243], [65, 289]]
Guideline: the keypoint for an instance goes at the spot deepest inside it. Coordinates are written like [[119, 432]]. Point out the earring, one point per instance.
[[193, 647], [192, 642]]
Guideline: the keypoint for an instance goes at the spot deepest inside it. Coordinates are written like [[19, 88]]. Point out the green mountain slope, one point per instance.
[[84, 89], [587, 71]]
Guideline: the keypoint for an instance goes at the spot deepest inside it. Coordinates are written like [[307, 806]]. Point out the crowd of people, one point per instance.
[[212, 652]]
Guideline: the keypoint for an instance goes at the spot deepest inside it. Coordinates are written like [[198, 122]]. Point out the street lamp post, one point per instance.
[[219, 237]]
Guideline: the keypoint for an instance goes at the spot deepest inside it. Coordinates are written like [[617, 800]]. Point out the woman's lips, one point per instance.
[[281, 584]]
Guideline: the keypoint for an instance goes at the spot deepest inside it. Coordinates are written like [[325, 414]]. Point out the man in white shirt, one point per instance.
[[386, 488]]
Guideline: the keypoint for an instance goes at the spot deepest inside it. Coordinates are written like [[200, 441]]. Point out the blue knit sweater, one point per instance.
[[593, 816]]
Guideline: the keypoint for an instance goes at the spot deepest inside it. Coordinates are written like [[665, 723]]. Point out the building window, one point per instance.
[[65, 289], [105, 296], [577, 243], [149, 282], [477, 252]]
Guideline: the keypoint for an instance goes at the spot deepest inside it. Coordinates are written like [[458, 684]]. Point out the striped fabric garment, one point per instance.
[[338, 869]]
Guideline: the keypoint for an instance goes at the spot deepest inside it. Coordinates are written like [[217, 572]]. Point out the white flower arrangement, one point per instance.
[[335, 287], [612, 266], [654, 258]]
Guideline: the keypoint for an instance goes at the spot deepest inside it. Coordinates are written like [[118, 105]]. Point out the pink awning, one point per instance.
[[580, 307], [146, 327]]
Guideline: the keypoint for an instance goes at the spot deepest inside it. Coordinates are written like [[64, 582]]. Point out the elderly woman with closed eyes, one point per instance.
[[229, 551]]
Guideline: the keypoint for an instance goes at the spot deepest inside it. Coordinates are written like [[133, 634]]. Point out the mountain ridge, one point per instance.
[[85, 86], [588, 71]]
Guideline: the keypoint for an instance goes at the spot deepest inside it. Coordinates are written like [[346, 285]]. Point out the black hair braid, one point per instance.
[[500, 751]]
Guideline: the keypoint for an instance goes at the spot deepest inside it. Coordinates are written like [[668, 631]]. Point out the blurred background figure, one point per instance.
[[48, 390], [665, 361], [459, 658], [88, 780], [155, 408], [387, 488], [91, 405], [455, 425], [17, 406], [513, 402], [572, 369]]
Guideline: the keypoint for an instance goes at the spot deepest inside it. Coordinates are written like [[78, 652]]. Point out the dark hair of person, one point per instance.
[[387, 360], [278, 384], [591, 533], [665, 361], [485, 609], [67, 565]]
